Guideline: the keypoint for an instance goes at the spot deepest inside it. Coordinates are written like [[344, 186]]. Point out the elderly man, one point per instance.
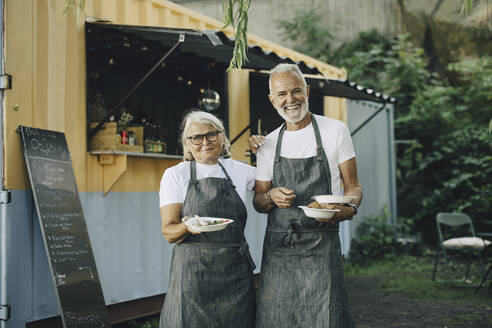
[[302, 282]]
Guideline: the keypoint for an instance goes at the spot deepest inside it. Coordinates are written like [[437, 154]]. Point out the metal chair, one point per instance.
[[454, 224]]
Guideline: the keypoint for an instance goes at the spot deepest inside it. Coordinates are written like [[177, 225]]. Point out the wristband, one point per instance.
[[269, 199], [353, 206]]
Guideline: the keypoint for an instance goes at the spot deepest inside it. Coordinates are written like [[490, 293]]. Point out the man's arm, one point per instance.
[[351, 187], [266, 199]]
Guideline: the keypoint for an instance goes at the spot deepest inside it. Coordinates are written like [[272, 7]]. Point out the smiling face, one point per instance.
[[289, 96], [207, 152]]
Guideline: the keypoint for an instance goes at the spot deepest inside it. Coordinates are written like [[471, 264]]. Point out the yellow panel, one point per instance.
[[335, 108], [109, 10], [45, 53], [19, 63], [143, 174], [238, 90], [129, 14], [170, 19], [145, 14]]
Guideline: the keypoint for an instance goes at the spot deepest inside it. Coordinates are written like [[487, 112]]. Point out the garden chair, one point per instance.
[[456, 232]]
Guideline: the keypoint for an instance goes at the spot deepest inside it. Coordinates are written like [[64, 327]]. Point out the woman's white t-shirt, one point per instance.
[[175, 180], [335, 138]]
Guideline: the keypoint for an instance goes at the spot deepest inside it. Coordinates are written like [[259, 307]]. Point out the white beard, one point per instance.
[[295, 117]]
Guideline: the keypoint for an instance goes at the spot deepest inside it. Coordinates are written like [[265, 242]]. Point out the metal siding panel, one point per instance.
[[132, 257], [26, 264], [373, 158]]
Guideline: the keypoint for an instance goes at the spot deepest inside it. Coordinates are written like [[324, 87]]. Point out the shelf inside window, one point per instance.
[[114, 164], [134, 154]]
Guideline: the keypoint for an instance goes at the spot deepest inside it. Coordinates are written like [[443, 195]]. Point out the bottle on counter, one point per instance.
[[124, 137]]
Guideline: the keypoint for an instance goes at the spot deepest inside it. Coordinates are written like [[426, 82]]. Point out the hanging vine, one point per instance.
[[236, 13], [466, 7], [76, 5]]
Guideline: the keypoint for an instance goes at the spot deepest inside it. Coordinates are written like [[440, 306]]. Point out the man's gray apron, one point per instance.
[[211, 282], [302, 282]]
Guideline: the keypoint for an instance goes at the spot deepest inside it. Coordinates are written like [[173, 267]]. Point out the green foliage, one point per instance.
[[466, 7], [235, 12], [307, 31], [411, 276], [145, 323], [447, 119], [77, 5], [377, 238]]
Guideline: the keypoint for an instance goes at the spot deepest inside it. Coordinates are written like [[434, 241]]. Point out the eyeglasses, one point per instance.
[[197, 139]]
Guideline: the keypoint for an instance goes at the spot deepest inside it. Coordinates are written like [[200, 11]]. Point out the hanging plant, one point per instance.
[[236, 14], [466, 7], [77, 5]]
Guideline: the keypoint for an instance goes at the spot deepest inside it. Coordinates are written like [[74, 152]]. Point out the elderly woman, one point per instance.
[[211, 283]]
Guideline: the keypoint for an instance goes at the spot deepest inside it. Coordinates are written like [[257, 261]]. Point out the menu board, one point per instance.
[[64, 229]]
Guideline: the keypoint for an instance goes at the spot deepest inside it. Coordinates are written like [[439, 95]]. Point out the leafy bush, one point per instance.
[[306, 30], [377, 239], [446, 117]]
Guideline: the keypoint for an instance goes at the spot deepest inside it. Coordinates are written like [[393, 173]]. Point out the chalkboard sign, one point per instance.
[[64, 229]]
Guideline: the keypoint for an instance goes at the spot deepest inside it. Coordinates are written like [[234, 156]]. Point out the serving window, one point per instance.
[[148, 121]]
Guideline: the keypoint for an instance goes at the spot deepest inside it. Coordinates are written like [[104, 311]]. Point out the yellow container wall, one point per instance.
[[45, 54]]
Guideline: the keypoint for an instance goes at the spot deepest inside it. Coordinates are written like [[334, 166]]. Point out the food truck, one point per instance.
[[93, 76]]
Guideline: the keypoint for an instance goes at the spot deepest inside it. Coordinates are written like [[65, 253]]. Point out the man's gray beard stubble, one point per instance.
[[304, 111]]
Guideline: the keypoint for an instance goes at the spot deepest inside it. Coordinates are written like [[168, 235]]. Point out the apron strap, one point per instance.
[[227, 175], [279, 143], [193, 172], [320, 153]]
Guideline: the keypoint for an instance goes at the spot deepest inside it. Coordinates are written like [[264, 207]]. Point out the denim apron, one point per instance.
[[211, 283], [302, 282]]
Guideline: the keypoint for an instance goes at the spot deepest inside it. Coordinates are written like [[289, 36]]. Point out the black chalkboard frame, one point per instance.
[[64, 230]]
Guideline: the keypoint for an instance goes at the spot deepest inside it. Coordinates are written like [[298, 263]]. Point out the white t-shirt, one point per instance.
[[335, 138], [175, 180]]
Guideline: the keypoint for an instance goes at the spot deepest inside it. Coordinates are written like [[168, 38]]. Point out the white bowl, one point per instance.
[[216, 224], [333, 199], [318, 213]]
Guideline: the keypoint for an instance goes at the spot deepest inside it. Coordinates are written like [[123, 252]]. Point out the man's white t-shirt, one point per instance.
[[175, 180], [335, 138]]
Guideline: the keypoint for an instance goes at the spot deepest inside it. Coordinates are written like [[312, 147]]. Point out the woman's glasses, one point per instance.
[[211, 136]]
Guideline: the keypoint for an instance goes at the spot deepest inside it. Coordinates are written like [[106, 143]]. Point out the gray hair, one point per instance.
[[205, 118], [286, 68]]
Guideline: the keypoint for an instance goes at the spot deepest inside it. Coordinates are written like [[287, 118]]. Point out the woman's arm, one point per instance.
[[172, 228]]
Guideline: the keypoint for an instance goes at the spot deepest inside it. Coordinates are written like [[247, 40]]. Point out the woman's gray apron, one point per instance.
[[302, 282], [211, 282]]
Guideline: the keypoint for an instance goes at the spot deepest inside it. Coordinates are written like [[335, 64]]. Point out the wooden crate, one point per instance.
[[106, 139]]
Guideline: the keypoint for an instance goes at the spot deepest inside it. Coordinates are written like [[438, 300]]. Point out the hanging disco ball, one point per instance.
[[209, 100]]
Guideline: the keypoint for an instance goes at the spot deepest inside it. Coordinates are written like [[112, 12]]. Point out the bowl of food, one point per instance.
[[318, 213], [333, 199], [207, 224]]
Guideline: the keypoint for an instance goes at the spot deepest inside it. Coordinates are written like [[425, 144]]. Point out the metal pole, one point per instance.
[[392, 168], [3, 274], [3, 297], [368, 120]]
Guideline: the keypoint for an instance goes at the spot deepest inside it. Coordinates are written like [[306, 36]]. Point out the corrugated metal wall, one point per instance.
[[374, 146], [132, 257], [344, 19]]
